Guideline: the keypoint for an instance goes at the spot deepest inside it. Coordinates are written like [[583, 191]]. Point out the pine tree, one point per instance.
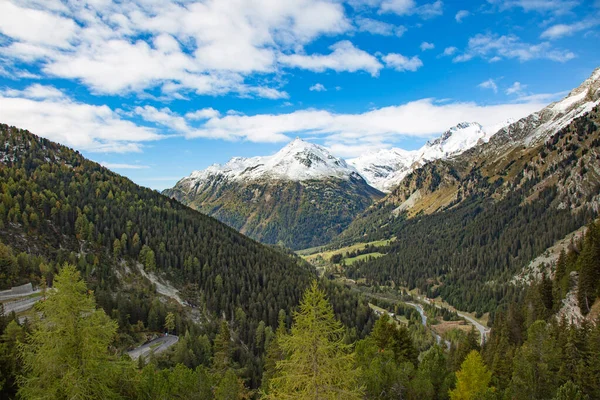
[[320, 365], [473, 379], [570, 391], [222, 350]]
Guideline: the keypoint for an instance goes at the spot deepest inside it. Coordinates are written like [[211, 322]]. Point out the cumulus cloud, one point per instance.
[[410, 7], [204, 113], [448, 51], [376, 27], [402, 63], [173, 46], [44, 112], [495, 47], [35, 91], [344, 57], [489, 84], [376, 128], [317, 87], [427, 46], [462, 14]]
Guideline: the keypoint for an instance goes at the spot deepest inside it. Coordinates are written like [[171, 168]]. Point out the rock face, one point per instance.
[[300, 197]]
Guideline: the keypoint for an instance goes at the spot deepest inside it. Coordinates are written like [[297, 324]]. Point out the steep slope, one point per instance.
[[300, 197], [385, 169], [59, 205], [485, 214]]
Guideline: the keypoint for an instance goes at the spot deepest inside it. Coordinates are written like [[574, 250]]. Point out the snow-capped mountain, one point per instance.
[[537, 127], [297, 161], [384, 169], [548, 159], [302, 196]]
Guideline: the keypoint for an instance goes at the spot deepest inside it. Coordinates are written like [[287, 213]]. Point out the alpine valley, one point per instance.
[[464, 268], [303, 196]]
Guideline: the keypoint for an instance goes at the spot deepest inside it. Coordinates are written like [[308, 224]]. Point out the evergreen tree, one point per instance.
[[319, 365], [570, 391]]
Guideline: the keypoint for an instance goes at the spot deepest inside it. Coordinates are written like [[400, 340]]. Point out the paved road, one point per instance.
[[16, 296], [483, 330], [156, 346], [419, 308], [21, 305]]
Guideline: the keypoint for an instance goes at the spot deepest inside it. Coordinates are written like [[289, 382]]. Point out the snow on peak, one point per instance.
[[384, 169], [454, 141], [297, 161], [539, 125]]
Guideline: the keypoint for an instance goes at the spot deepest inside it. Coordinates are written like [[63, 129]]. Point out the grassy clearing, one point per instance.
[[350, 261], [311, 255]]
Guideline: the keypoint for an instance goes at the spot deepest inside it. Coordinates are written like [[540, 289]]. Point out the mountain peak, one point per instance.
[[299, 160]]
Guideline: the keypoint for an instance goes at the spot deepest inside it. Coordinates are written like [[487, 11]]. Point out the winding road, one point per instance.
[[155, 346], [20, 305], [419, 308]]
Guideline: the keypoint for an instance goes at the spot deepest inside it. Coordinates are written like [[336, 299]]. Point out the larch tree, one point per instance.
[[67, 355], [473, 379], [318, 364]]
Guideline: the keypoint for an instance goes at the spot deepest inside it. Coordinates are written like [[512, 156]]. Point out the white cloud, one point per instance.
[[79, 125], [209, 47], [489, 84], [542, 97], [427, 46], [516, 88], [344, 57], [462, 14], [35, 26], [561, 30], [558, 7], [373, 129], [317, 87], [377, 27], [410, 7], [35, 91], [122, 166], [205, 113], [402, 63], [494, 47], [448, 51]]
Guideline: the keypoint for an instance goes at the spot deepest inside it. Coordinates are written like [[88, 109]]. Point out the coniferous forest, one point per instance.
[[118, 266]]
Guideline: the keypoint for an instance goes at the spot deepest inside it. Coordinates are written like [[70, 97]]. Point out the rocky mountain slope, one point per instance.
[[531, 184], [385, 169], [300, 197]]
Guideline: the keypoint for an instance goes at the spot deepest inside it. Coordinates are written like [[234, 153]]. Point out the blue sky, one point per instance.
[[155, 88]]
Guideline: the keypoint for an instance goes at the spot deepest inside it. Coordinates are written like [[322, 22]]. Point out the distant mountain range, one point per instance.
[[303, 196], [300, 197], [465, 226]]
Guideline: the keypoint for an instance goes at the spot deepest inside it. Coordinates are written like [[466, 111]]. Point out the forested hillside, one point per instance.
[[464, 227], [57, 207], [300, 197]]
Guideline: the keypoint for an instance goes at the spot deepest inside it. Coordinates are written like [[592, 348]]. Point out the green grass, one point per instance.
[[312, 254], [350, 261]]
